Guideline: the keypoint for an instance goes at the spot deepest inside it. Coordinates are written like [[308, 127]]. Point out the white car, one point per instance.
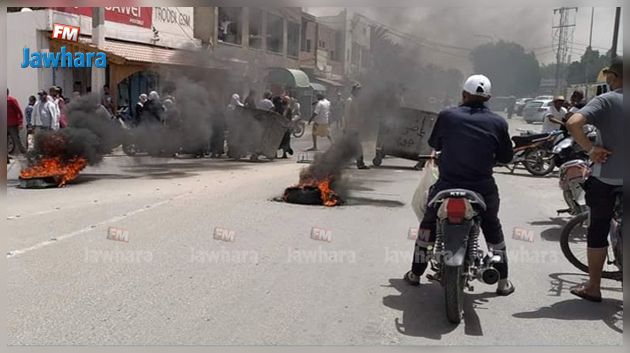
[[535, 110]]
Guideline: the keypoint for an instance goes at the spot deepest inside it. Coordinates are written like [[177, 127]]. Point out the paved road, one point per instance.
[[172, 283]]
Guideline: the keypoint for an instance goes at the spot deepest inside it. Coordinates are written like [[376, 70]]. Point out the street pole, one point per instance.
[[98, 39], [613, 49], [590, 36]]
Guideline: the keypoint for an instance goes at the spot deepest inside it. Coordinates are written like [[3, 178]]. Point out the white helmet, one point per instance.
[[478, 85]]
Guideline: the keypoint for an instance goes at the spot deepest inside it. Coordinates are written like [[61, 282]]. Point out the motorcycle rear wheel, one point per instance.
[[570, 234], [535, 162], [453, 280]]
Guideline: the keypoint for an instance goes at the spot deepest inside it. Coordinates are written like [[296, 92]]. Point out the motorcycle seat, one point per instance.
[[475, 199], [527, 139]]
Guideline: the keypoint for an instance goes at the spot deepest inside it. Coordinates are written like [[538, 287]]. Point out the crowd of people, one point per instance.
[[46, 112]]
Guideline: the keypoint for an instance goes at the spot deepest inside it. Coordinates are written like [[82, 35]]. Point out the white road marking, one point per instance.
[[56, 239]]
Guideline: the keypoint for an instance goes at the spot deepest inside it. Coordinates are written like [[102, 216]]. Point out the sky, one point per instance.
[[467, 27]]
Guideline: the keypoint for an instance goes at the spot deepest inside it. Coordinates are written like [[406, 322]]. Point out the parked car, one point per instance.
[[535, 110], [520, 105], [542, 98]]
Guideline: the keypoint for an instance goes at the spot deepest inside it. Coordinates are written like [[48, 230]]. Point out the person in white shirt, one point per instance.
[[553, 118], [266, 103], [45, 114], [321, 114]]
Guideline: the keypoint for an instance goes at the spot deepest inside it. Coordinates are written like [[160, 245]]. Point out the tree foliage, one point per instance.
[[511, 70]]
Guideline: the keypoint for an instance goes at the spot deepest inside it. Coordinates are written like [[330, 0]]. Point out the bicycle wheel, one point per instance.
[[573, 245]]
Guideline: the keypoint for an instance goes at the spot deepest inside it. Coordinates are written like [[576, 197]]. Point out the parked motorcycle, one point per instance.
[[573, 174], [533, 151], [573, 241], [457, 259]]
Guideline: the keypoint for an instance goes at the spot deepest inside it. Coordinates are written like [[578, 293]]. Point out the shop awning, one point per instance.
[[288, 77], [329, 82], [318, 87], [119, 52]]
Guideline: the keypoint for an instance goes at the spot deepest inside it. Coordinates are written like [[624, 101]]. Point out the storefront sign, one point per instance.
[[176, 21], [129, 15]]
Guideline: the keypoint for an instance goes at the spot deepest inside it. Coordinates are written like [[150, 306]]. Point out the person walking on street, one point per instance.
[[471, 139], [45, 115], [352, 124], [15, 122], [283, 107], [321, 114], [606, 113]]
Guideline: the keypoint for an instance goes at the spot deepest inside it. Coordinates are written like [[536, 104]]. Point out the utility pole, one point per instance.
[[98, 39], [590, 36], [613, 49], [562, 36]]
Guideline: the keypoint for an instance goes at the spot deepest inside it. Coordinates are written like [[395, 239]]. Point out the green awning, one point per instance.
[[290, 78]]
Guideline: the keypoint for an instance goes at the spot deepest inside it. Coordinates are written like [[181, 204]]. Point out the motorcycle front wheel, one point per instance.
[[573, 245], [453, 281], [538, 162]]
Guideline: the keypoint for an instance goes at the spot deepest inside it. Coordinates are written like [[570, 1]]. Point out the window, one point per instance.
[[293, 39], [322, 44], [230, 24], [255, 28], [275, 29]]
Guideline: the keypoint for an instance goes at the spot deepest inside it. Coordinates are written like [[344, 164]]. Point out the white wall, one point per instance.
[[22, 31]]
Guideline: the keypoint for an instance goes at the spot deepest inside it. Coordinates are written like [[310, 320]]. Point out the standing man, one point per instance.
[[55, 93], [553, 118], [15, 122], [352, 124], [321, 114], [606, 113], [107, 101], [471, 139], [45, 115]]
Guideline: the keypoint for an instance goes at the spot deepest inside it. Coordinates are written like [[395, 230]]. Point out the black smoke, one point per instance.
[[90, 134]]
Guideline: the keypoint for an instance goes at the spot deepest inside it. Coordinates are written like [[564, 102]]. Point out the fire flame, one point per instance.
[[62, 171], [329, 197]]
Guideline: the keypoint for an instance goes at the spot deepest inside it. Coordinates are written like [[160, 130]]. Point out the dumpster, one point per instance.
[[405, 134], [255, 132]]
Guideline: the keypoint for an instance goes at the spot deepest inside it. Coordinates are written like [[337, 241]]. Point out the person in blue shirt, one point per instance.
[[471, 140]]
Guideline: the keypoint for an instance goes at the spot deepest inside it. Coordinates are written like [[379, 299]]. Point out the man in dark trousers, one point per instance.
[[608, 154], [15, 122], [471, 139]]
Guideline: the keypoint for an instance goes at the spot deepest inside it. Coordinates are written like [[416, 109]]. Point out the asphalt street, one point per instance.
[[266, 281]]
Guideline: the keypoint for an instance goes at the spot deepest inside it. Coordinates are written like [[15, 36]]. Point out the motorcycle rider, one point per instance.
[[471, 139], [606, 113]]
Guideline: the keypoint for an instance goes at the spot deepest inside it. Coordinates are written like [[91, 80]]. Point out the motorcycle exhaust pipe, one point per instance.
[[489, 275]]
